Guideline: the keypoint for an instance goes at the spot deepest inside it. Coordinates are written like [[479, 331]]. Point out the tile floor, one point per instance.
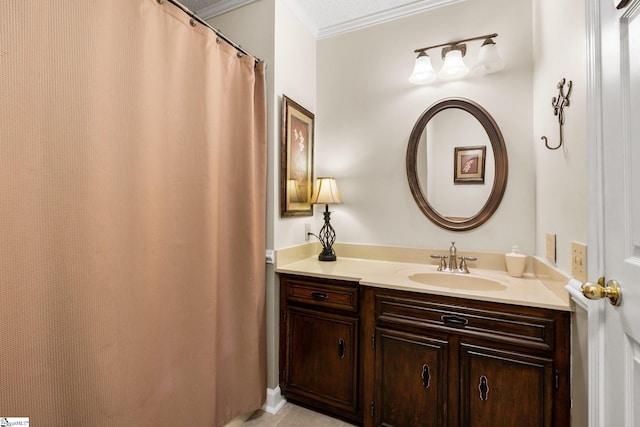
[[291, 415]]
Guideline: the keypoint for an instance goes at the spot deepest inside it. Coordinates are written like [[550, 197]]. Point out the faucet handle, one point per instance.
[[443, 261], [463, 263]]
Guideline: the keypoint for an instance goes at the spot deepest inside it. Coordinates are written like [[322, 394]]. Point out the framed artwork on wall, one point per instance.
[[468, 166], [296, 159]]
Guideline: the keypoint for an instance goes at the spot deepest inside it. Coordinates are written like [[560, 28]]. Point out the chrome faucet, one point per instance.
[[453, 264], [453, 261]]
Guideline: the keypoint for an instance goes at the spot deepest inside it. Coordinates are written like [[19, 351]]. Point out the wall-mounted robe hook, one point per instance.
[[558, 103]]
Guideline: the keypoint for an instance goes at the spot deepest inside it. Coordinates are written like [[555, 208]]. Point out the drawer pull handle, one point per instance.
[[426, 377], [341, 348], [454, 321], [484, 388], [319, 296]]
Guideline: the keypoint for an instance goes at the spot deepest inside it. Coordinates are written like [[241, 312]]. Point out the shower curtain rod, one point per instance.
[[206, 24]]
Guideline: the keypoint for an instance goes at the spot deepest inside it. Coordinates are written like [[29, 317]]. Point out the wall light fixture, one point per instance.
[[454, 67]]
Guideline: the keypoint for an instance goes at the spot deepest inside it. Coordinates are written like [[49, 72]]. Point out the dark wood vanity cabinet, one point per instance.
[[442, 361], [319, 344], [381, 357]]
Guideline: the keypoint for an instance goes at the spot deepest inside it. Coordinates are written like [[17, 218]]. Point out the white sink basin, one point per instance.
[[455, 281]]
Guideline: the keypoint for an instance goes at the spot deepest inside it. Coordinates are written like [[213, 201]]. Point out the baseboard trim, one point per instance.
[[275, 401]]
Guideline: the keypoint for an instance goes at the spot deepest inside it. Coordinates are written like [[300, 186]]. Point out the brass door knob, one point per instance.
[[599, 290]]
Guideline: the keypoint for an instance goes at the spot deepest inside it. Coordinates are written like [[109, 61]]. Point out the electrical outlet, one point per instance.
[[551, 247], [307, 230], [579, 261]]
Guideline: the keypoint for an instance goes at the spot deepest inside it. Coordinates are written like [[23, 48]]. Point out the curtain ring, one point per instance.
[[192, 21], [239, 55], [160, 1], [218, 40]]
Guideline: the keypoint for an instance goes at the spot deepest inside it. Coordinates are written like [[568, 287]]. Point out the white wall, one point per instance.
[[561, 200], [367, 108], [295, 70], [561, 180]]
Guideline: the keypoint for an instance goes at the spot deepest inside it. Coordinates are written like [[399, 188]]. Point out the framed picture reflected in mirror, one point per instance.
[[469, 165]]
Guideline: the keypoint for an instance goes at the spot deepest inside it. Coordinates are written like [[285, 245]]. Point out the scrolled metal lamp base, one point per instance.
[[327, 237]]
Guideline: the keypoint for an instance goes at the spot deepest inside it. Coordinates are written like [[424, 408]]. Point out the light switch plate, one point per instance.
[[270, 256], [551, 247], [579, 261]]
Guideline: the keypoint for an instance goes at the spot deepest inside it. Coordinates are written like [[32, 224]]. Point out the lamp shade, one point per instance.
[[453, 67], [488, 59], [423, 71], [325, 191]]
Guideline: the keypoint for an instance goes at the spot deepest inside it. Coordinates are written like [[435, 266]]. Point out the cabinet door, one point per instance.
[[503, 388], [321, 359], [411, 380]]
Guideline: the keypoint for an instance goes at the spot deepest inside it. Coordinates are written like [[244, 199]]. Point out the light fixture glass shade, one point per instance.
[[423, 71], [453, 67], [488, 59], [325, 191]]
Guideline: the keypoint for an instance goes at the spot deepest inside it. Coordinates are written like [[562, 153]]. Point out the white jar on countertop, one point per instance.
[[516, 262]]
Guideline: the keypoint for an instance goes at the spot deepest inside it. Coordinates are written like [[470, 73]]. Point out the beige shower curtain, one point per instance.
[[132, 215]]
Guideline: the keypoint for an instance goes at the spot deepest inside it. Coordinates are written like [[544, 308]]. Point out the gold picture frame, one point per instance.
[[469, 164], [296, 159]]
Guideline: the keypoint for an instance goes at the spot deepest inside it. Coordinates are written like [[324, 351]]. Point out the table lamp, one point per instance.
[[326, 191]]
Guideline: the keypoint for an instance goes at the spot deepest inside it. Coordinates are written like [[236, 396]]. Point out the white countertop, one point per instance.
[[525, 291]]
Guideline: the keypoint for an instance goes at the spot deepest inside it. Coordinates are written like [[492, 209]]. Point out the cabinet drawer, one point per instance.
[[335, 294], [481, 319]]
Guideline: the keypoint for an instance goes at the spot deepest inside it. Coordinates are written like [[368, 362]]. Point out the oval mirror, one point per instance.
[[457, 164]]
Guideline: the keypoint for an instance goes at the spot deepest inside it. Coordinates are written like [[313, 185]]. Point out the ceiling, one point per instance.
[[326, 18]]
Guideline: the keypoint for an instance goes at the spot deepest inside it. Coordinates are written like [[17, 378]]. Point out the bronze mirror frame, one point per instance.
[[500, 158]]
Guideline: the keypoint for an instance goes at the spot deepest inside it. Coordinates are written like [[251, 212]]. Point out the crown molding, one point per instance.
[[303, 17], [381, 17], [221, 7], [336, 29]]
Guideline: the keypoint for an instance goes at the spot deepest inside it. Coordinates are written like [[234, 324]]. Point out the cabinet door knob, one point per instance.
[[426, 377], [341, 348]]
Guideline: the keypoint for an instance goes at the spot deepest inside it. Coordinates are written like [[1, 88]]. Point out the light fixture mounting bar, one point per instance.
[[488, 36], [462, 47]]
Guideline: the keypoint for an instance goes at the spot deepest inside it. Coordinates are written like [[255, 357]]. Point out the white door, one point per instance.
[[614, 235]]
